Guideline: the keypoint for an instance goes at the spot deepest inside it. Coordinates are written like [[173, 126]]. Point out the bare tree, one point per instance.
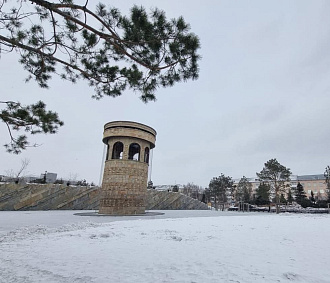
[[192, 190], [72, 179], [16, 175]]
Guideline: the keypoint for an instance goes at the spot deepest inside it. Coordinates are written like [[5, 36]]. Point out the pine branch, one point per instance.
[[142, 52], [32, 119]]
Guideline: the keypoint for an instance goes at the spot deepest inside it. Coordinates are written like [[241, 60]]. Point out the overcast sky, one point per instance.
[[263, 92]]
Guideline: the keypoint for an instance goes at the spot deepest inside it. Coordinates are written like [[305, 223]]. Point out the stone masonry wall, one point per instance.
[[124, 187], [47, 197], [60, 197], [163, 200]]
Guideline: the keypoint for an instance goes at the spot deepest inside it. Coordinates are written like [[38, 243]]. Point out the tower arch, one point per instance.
[[134, 151], [117, 150]]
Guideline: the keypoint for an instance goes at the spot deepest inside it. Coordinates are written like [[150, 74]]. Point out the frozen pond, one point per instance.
[[179, 246], [55, 218]]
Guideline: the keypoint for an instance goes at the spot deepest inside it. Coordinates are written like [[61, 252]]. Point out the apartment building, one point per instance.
[[315, 183]]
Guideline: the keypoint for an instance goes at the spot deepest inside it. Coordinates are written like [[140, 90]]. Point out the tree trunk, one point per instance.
[[277, 204], [215, 202]]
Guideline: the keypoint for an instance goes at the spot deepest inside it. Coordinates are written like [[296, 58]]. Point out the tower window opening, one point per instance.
[[107, 156], [146, 155], [117, 152], [134, 152]]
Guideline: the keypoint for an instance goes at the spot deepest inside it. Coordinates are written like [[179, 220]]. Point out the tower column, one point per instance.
[[125, 177]]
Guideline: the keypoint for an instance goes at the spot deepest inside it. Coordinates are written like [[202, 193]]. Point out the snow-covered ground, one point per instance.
[[179, 246]]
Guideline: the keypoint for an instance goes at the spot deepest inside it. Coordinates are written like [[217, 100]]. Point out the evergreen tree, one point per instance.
[[283, 199], [300, 194], [312, 198], [262, 194], [243, 190], [33, 119], [112, 52], [277, 176], [175, 189], [208, 195], [327, 181], [218, 187], [290, 197]]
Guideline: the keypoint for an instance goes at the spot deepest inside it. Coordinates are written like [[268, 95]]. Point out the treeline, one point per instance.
[[274, 188]]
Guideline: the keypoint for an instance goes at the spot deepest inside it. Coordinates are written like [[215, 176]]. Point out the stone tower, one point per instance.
[[125, 176]]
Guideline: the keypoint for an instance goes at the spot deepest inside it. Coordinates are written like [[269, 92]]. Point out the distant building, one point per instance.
[[315, 183], [167, 187], [30, 179], [50, 177]]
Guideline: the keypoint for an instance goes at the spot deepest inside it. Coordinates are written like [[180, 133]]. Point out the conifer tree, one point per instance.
[[300, 194], [218, 187], [290, 197], [283, 199], [312, 198], [327, 181], [277, 176], [263, 194], [112, 52], [243, 190]]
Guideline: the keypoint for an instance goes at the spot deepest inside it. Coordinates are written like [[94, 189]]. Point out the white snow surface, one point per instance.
[[179, 246]]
